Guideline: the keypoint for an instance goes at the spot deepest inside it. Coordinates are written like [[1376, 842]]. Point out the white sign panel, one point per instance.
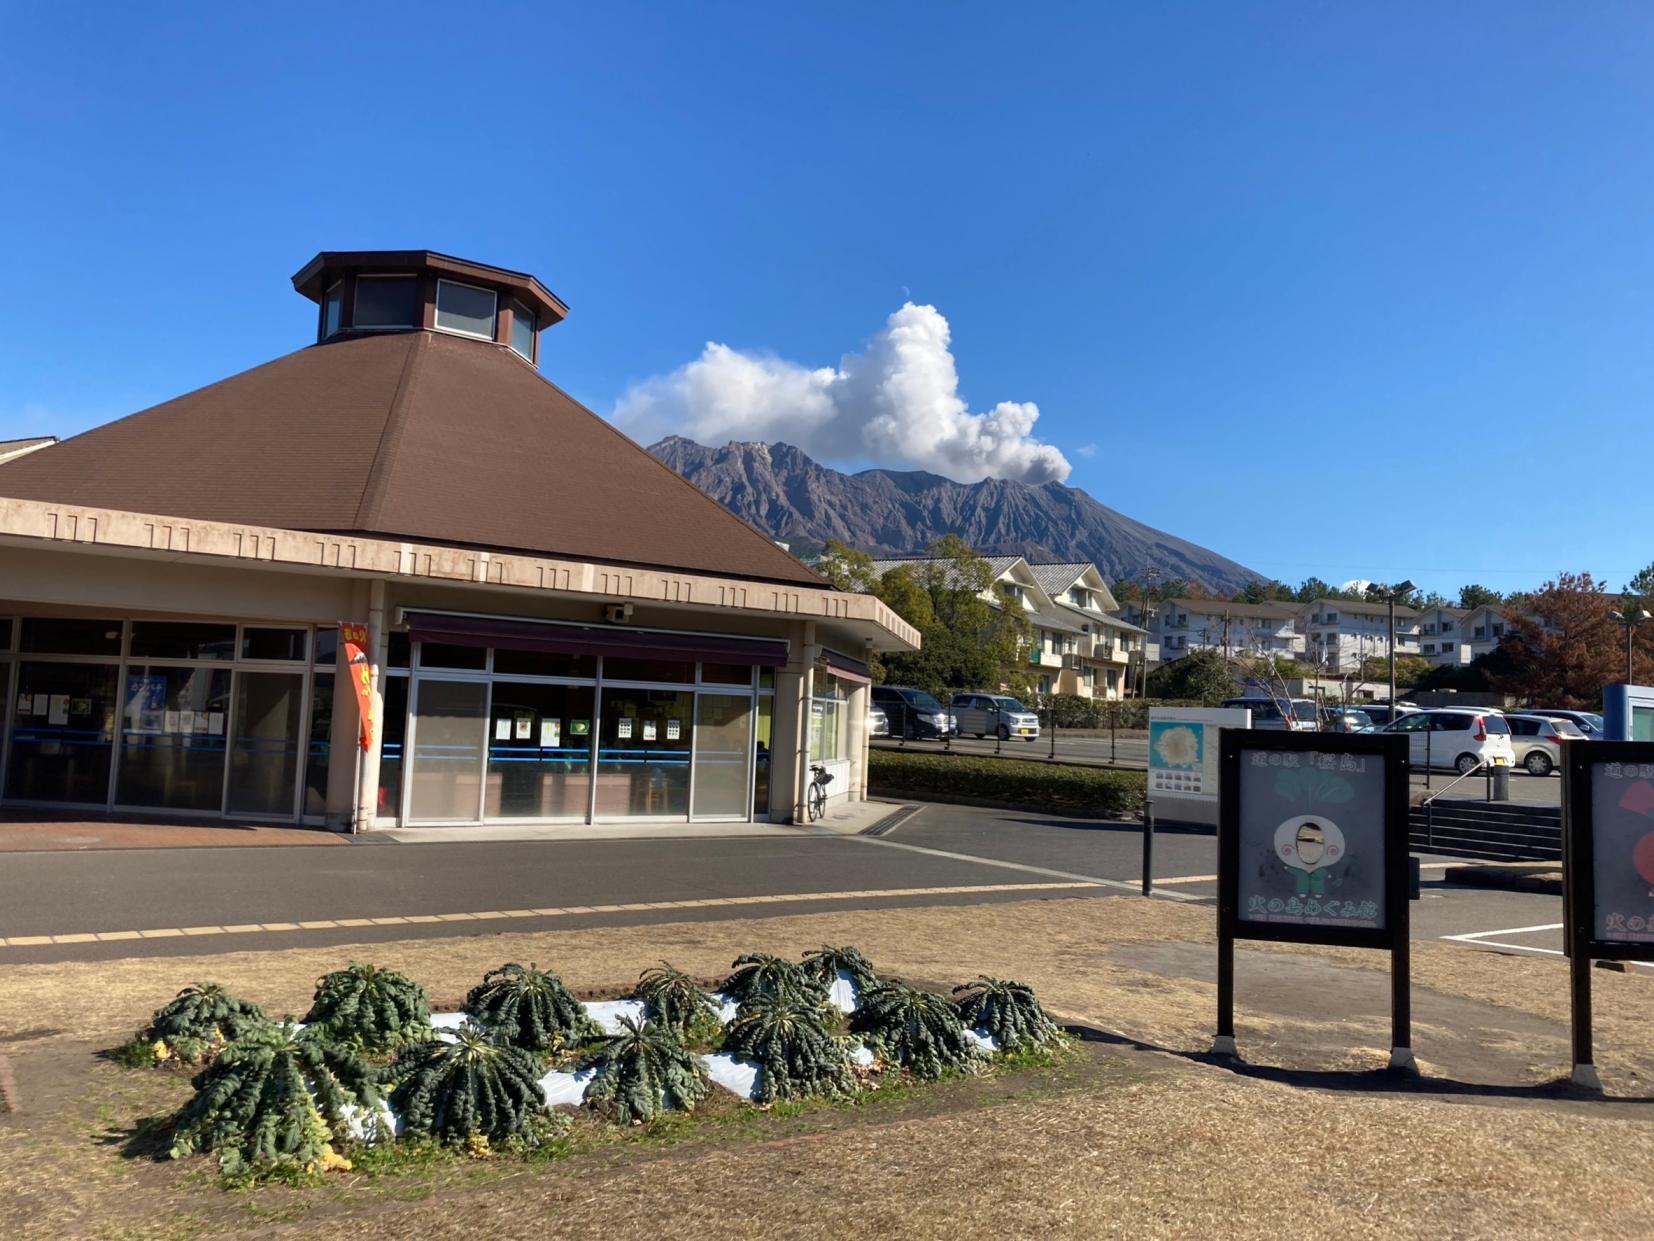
[[1183, 754]]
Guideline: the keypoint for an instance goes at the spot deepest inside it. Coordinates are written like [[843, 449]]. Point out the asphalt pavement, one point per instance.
[[110, 904]]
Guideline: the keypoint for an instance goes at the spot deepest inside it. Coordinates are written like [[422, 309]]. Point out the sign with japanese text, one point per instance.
[[1609, 805], [353, 644]]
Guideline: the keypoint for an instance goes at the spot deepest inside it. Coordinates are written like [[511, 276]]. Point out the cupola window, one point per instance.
[[386, 302], [333, 306], [522, 330], [465, 308]]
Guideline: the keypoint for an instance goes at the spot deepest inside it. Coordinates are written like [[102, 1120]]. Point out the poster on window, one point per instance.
[[502, 729], [524, 725], [146, 700], [674, 730], [580, 728], [551, 734], [1312, 839], [648, 730], [623, 729]]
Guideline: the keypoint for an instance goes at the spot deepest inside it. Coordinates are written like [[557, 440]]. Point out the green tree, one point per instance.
[[1313, 588], [973, 633], [1474, 596], [1564, 648], [848, 568], [1201, 676]]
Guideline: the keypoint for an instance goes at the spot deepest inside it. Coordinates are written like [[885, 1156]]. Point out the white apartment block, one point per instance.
[[1340, 634], [1236, 629], [1443, 639]]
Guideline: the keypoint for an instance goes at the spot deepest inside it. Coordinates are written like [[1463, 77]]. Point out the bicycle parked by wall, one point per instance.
[[815, 804]]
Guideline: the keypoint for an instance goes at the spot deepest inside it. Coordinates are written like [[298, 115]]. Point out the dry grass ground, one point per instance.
[[1146, 1144]]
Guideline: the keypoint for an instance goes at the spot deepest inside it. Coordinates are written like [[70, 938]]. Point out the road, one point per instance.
[[111, 904], [1131, 749]]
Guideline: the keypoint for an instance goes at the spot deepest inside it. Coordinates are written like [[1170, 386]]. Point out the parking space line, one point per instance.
[[1475, 936]]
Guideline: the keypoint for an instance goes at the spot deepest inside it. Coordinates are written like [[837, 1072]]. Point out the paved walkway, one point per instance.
[[75, 836]]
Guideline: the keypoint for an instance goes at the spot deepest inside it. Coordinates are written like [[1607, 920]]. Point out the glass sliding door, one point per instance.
[[450, 736], [264, 751], [319, 752], [723, 737], [63, 732], [761, 755], [395, 692], [172, 738], [539, 751], [643, 753]]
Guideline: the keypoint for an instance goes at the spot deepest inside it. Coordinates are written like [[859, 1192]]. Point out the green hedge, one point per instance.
[[1015, 782]]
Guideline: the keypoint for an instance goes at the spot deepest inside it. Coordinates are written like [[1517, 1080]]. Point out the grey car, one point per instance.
[[988, 715]]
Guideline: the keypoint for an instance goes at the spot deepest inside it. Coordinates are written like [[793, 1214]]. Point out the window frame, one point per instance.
[[494, 315], [356, 324], [521, 312], [338, 308]]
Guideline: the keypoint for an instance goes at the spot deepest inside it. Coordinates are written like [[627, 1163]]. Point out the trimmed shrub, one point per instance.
[[641, 1070], [756, 974], [527, 1007], [1007, 1010], [825, 963], [277, 1097], [471, 1088], [789, 1041], [677, 1001], [371, 1008], [195, 1024], [916, 1029], [1094, 792]]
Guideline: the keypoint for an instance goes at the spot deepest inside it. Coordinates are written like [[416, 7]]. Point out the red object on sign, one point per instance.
[[354, 640]]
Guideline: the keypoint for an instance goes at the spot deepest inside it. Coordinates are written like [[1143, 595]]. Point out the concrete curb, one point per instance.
[[1544, 878]]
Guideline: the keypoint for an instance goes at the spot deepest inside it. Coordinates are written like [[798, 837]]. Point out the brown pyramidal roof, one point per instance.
[[415, 435]]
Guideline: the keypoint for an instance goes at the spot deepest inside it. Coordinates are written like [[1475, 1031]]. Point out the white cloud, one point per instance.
[[1086, 450], [896, 402]]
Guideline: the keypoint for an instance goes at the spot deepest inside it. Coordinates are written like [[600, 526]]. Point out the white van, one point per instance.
[[1295, 715]]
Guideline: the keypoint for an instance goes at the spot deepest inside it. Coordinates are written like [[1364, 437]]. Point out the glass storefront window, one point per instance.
[[723, 725], [398, 650], [182, 640], [264, 756], [538, 766], [670, 670], [643, 753], [726, 674], [319, 750], [766, 678], [448, 655], [544, 664], [327, 647], [63, 732], [283, 644], [172, 738], [450, 734], [5, 633], [77, 636], [761, 755], [395, 693]]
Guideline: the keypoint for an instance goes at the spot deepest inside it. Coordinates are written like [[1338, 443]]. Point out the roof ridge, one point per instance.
[[384, 456]]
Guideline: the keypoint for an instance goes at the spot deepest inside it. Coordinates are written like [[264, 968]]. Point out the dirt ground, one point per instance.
[[1135, 1133]]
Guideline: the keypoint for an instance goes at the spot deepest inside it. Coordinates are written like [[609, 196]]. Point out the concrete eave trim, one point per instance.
[[114, 532]]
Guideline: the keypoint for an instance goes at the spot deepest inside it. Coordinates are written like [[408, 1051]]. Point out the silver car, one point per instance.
[[878, 723], [1538, 741], [987, 715]]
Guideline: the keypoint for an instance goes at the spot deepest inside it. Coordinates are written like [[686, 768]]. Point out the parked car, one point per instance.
[[1538, 740], [1588, 722], [1458, 738], [913, 713], [987, 715], [1345, 720], [878, 723], [1270, 712], [1382, 713]]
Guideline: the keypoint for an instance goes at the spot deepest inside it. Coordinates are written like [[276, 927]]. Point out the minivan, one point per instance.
[[1269, 713], [913, 713], [994, 715], [1460, 738]]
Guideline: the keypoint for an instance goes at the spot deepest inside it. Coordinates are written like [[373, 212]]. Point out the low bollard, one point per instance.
[[1501, 784]]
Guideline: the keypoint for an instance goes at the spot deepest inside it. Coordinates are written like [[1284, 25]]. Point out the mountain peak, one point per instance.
[[782, 491]]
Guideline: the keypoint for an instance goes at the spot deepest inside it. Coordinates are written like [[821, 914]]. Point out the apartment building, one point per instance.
[[1442, 637], [1340, 634], [1181, 626]]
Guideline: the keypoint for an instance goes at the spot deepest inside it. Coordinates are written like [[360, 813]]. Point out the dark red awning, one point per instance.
[[845, 668], [528, 635]]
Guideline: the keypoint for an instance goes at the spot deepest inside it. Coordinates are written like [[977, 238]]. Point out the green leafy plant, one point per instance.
[[530, 1008], [195, 1024], [826, 962], [277, 1097], [916, 1029], [472, 1091], [372, 1008], [641, 1070], [756, 974], [796, 1054], [676, 1000], [1006, 1010]]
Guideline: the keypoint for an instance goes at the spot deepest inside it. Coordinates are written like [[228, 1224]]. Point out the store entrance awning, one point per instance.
[[459, 629]]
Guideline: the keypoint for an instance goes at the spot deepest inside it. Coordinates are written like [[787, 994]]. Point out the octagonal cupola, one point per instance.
[[369, 291]]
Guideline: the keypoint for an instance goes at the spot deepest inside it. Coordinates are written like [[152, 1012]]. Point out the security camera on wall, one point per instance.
[[617, 613]]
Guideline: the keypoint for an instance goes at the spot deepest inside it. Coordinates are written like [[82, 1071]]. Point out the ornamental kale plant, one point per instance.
[[196, 1023], [277, 1097], [473, 1087], [915, 1029], [1006, 1010], [677, 1001], [826, 962], [641, 1070], [371, 1008], [757, 974], [789, 1041], [530, 1008]]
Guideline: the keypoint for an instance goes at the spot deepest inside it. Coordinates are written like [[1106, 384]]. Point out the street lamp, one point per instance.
[[1399, 591], [1629, 618]]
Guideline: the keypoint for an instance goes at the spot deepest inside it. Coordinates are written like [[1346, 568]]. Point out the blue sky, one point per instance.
[[1352, 290]]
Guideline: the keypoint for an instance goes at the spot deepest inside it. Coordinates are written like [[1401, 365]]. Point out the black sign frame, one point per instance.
[[1392, 751], [1579, 895]]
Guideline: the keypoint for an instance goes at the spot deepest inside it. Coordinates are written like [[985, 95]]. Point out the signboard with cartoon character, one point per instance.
[[1608, 869], [1312, 848]]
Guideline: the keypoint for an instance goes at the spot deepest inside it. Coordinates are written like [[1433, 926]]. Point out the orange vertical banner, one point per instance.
[[354, 640]]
